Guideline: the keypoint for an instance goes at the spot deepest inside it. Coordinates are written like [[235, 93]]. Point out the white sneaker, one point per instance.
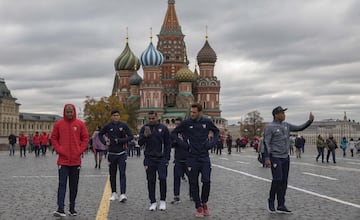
[[113, 196], [122, 198], [162, 205], [153, 206]]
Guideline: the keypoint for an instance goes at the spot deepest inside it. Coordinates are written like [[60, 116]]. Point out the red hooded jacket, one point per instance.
[[44, 138], [70, 139], [23, 140]]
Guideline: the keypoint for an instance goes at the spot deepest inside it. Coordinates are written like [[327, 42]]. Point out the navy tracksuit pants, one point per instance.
[[65, 172], [196, 167], [160, 167], [115, 162], [280, 173]]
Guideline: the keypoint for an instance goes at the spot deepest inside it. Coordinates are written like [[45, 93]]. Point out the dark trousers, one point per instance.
[[138, 151], [204, 168], [218, 150], [65, 172], [179, 169], [43, 149], [161, 168], [280, 173], [320, 153], [37, 151], [22, 149], [229, 149], [332, 151], [117, 161]]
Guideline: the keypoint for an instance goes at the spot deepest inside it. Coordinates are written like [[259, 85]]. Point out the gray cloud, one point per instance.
[[299, 54]]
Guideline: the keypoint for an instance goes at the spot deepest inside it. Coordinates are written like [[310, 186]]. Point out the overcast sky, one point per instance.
[[303, 55]]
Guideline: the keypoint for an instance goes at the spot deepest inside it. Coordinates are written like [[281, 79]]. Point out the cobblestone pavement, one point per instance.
[[239, 189]]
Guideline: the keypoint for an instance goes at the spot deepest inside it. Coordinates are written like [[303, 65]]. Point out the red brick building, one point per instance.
[[168, 86]]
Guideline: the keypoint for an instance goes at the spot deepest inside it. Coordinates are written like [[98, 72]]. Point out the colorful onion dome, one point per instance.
[[206, 54], [151, 57], [185, 75], [135, 79], [127, 60]]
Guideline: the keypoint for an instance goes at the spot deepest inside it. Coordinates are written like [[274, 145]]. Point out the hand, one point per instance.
[[147, 131], [311, 117], [267, 163]]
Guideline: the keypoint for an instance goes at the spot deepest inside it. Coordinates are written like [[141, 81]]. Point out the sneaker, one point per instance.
[[153, 206], [59, 213], [162, 206], [283, 209], [199, 212], [206, 210], [122, 198], [73, 212], [271, 206], [176, 200], [113, 196]]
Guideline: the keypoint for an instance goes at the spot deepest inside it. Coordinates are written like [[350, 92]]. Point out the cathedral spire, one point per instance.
[[171, 24]]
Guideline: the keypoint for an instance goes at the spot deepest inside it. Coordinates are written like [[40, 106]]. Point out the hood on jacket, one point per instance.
[[74, 112]]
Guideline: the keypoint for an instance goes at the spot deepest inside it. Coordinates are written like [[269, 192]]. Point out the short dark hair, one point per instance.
[[198, 106], [178, 119], [115, 111], [152, 113]]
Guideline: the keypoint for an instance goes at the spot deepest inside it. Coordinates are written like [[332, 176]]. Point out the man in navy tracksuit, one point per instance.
[[156, 139], [195, 131], [119, 135], [276, 141], [180, 166]]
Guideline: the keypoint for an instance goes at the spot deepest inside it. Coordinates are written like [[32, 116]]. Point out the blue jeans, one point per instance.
[[280, 173], [65, 172], [12, 149]]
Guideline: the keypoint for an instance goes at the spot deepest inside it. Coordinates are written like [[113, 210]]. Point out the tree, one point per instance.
[[253, 124], [98, 113]]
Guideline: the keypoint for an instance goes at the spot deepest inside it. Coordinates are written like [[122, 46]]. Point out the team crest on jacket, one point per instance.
[[121, 129], [204, 125], [159, 130], [75, 128]]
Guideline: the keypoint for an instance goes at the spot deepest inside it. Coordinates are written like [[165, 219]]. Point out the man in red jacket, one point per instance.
[[70, 139], [23, 142], [36, 141]]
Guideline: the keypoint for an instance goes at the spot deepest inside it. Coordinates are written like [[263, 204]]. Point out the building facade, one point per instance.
[[168, 86], [14, 122]]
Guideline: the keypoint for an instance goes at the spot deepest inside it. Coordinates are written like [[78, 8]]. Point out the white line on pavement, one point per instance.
[[56, 176], [353, 163], [334, 167], [317, 175], [242, 162], [223, 158], [291, 187]]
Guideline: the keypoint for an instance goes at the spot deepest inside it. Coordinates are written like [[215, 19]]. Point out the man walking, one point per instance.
[[156, 139], [119, 134], [180, 167], [195, 131], [22, 143], [276, 139], [12, 142], [70, 139]]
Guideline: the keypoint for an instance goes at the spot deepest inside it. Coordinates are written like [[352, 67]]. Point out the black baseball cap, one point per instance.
[[278, 110]]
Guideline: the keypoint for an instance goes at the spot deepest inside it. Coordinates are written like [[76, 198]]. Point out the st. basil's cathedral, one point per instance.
[[168, 86]]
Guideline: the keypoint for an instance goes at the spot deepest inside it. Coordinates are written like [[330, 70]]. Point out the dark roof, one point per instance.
[[38, 117], [4, 91]]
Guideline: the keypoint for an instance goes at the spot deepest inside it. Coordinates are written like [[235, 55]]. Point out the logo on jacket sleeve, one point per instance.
[[75, 128], [204, 125]]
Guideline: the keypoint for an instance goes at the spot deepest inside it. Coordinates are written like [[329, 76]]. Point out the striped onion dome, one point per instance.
[[185, 75], [206, 54], [127, 60], [151, 57], [135, 79]]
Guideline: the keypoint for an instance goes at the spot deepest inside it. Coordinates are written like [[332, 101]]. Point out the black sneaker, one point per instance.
[[283, 209], [271, 206], [176, 200], [59, 213], [73, 212]]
